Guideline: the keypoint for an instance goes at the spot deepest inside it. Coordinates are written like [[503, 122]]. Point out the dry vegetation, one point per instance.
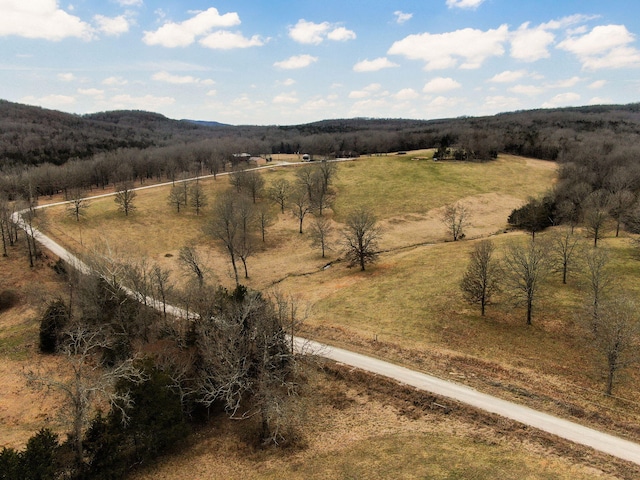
[[407, 308]]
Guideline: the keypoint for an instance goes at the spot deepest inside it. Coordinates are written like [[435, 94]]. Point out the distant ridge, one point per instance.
[[207, 123]]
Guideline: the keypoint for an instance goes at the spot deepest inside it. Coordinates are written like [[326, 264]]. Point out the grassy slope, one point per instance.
[[408, 307]]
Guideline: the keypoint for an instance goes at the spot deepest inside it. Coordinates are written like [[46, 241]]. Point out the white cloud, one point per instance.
[[440, 85], [49, 101], [311, 33], [562, 100], [296, 61], [508, 76], [600, 101], [366, 91], [500, 103], [66, 77], [406, 94], [112, 25], [130, 3], [174, 79], [288, 82], [373, 65], [443, 50], [146, 102], [182, 34], [224, 40], [341, 34], [597, 84], [464, 3], [530, 90], [212, 93], [42, 19], [531, 44], [92, 92], [114, 81], [286, 99], [402, 17], [567, 83], [605, 46]]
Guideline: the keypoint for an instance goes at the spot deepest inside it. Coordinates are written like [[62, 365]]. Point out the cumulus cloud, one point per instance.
[[180, 79], [225, 40], [42, 19], [49, 101], [130, 3], [605, 46], [182, 34], [113, 26], [373, 65], [295, 62], [315, 33], [444, 50], [402, 17], [286, 99], [597, 84], [529, 90], [406, 94], [562, 100], [440, 85], [66, 77], [114, 81], [464, 3], [531, 44], [508, 76], [366, 91]]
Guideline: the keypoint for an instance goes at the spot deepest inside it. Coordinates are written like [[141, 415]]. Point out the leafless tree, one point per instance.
[[5, 224], [265, 218], [246, 218], [224, 226], [253, 181], [525, 267], [320, 232], [600, 280], [621, 203], [617, 336], [78, 204], [300, 205], [564, 249], [161, 285], [279, 192], [89, 379], [361, 235], [481, 279], [456, 218], [124, 198], [197, 197], [176, 197], [596, 213], [192, 263]]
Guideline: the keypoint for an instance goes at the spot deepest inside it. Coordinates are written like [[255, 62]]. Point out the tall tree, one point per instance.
[[124, 198], [300, 205], [456, 218], [600, 280], [224, 226], [525, 268], [564, 251], [481, 279], [78, 204], [279, 192], [320, 232], [361, 235], [192, 263], [197, 197], [596, 213]]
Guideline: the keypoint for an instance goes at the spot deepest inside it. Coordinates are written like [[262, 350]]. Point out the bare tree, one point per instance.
[[253, 181], [197, 197], [456, 218], [600, 280], [300, 205], [596, 214], [481, 279], [82, 349], [176, 197], [78, 204], [161, 285], [5, 224], [564, 249], [125, 196], [361, 235], [621, 203], [525, 268], [264, 217], [320, 232], [279, 192], [224, 226], [192, 263], [616, 336], [246, 218]]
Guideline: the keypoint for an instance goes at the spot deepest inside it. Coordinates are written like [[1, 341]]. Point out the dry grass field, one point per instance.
[[406, 308]]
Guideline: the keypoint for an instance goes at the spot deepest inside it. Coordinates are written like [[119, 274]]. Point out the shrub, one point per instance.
[[53, 321]]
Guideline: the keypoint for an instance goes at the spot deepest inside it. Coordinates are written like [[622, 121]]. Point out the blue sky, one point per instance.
[[298, 61]]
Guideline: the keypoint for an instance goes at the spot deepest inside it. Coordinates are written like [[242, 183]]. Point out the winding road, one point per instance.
[[603, 442]]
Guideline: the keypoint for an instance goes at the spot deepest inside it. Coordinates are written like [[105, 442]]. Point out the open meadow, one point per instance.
[[407, 307]]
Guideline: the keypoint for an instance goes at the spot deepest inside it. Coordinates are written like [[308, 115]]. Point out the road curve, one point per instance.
[[603, 442]]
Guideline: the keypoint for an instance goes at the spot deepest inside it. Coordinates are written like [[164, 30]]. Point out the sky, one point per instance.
[[287, 62]]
